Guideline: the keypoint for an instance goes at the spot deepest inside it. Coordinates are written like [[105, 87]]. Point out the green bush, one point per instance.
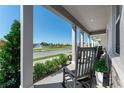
[[63, 59], [55, 63], [43, 69], [39, 70], [56, 60], [100, 65], [49, 66]]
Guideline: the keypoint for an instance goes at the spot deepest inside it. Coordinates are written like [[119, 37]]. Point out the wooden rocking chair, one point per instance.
[[81, 73]]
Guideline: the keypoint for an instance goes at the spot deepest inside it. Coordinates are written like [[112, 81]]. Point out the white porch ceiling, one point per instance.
[[93, 17]]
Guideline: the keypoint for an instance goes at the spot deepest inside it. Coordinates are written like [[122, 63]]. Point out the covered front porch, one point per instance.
[[55, 81], [90, 19]]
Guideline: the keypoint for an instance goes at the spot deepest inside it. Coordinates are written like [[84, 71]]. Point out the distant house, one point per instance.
[[2, 42]]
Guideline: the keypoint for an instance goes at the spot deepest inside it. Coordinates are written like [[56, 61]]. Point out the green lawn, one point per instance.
[[50, 48], [46, 57], [37, 50]]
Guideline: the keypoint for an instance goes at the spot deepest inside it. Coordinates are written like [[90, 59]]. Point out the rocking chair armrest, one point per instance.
[[67, 71]]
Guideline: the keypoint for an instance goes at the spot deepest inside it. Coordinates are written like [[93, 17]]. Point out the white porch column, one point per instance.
[[81, 38], [26, 46], [88, 40], [74, 43], [92, 43]]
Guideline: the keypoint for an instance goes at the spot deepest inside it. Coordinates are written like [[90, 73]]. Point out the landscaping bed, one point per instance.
[[42, 70]]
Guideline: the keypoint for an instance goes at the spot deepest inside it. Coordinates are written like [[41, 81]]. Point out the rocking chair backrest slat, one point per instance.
[[89, 60], [85, 61]]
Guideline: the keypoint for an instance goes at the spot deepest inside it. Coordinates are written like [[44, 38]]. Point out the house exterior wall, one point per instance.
[[122, 37], [116, 59], [109, 34]]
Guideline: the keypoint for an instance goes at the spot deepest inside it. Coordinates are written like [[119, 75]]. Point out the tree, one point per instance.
[[10, 58]]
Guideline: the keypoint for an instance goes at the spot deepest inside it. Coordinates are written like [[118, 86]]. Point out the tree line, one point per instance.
[[53, 44]]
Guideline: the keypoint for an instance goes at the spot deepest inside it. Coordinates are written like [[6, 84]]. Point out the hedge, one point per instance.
[[43, 69]]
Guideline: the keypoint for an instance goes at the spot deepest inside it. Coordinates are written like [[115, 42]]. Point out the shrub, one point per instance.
[[39, 70], [56, 60], [49, 66], [63, 59], [55, 63]]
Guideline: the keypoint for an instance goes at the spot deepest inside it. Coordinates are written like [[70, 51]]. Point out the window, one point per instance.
[[118, 15]]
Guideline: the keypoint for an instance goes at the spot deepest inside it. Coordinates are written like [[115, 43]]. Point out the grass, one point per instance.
[[45, 57], [50, 48], [37, 50]]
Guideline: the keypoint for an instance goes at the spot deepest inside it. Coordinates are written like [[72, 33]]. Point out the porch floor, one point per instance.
[[55, 80], [52, 81]]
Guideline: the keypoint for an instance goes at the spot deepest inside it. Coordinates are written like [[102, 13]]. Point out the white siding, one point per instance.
[[117, 60], [111, 32]]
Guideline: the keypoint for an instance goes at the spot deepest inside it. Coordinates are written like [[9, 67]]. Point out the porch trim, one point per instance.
[[98, 32], [62, 12]]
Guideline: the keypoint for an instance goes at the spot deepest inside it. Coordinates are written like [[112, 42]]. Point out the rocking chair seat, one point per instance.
[[70, 69]]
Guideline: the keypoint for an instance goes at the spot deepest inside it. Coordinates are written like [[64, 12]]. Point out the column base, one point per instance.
[[32, 86]]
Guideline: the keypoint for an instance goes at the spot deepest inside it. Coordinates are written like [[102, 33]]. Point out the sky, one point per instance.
[[7, 15], [47, 27]]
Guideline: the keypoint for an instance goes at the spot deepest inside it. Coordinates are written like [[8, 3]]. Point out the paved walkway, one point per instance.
[[51, 52]]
